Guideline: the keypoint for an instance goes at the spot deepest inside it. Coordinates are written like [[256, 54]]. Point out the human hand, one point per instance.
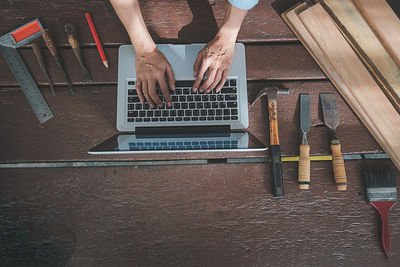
[[216, 58], [151, 68]]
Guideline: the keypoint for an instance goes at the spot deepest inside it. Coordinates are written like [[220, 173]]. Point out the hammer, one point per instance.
[[271, 92]]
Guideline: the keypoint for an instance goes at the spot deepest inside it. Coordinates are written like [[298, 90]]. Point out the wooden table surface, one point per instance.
[[61, 206]]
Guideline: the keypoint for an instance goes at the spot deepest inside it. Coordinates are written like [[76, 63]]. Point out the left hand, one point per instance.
[[216, 58]]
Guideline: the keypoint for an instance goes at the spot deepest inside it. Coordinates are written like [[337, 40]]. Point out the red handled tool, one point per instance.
[[382, 194], [8, 47]]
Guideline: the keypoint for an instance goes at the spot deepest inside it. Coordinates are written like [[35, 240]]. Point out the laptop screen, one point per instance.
[[177, 143]]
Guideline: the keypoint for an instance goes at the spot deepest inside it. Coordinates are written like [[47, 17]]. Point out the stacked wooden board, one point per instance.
[[366, 76], [367, 45]]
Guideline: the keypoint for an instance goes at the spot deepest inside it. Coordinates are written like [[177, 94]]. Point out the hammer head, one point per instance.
[[270, 91]]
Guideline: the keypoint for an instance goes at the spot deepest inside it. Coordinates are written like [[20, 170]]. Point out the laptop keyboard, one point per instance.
[[184, 145], [187, 105]]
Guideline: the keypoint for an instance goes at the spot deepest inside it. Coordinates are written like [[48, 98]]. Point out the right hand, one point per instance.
[[151, 68]]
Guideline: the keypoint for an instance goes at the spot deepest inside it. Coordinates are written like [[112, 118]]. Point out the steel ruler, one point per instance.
[[8, 47]]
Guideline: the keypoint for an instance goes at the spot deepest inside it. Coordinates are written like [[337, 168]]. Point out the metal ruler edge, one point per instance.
[[27, 83]]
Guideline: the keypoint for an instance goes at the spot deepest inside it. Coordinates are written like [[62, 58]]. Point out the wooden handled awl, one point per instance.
[[73, 41], [53, 51], [39, 56], [304, 160], [331, 120]]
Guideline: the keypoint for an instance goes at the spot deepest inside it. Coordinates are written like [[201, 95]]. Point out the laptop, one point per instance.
[[196, 122]]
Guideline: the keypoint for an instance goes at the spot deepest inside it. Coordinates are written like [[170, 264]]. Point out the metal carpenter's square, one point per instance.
[[8, 47]]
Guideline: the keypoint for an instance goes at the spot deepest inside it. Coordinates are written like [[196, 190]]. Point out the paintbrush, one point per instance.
[[381, 190]]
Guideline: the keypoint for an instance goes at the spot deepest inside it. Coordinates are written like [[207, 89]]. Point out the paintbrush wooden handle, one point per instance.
[[338, 165], [304, 166], [383, 208]]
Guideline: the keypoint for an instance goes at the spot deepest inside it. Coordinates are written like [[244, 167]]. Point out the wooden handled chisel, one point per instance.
[[304, 160], [73, 41], [53, 51], [331, 120]]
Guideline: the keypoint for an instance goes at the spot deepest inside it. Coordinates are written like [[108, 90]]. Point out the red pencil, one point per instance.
[[97, 40]]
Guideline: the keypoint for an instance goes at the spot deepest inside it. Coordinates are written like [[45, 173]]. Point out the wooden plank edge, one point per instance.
[[8, 86], [378, 76], [349, 96], [324, 63]]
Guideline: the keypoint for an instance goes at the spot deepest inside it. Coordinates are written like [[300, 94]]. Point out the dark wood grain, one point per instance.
[[195, 215], [199, 215], [271, 62], [168, 21], [89, 117]]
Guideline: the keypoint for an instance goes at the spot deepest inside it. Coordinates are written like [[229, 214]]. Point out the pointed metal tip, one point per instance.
[[72, 91]]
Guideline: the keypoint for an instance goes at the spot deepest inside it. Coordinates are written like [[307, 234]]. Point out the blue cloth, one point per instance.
[[244, 4]]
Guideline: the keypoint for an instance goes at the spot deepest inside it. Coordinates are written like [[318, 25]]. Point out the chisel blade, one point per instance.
[[304, 113], [329, 110]]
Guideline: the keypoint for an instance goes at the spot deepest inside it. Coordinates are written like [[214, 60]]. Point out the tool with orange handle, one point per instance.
[[8, 48], [331, 120], [274, 147], [304, 160]]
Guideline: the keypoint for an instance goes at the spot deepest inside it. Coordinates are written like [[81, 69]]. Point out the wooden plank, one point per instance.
[[373, 102], [264, 61], [199, 215], [294, 22], [369, 48], [168, 21], [384, 23], [89, 117]]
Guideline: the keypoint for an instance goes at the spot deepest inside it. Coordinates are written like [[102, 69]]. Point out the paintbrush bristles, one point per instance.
[[379, 177], [380, 184]]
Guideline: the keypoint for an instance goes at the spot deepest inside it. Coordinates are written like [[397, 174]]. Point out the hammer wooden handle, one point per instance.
[[273, 122], [339, 171], [275, 149], [304, 167]]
